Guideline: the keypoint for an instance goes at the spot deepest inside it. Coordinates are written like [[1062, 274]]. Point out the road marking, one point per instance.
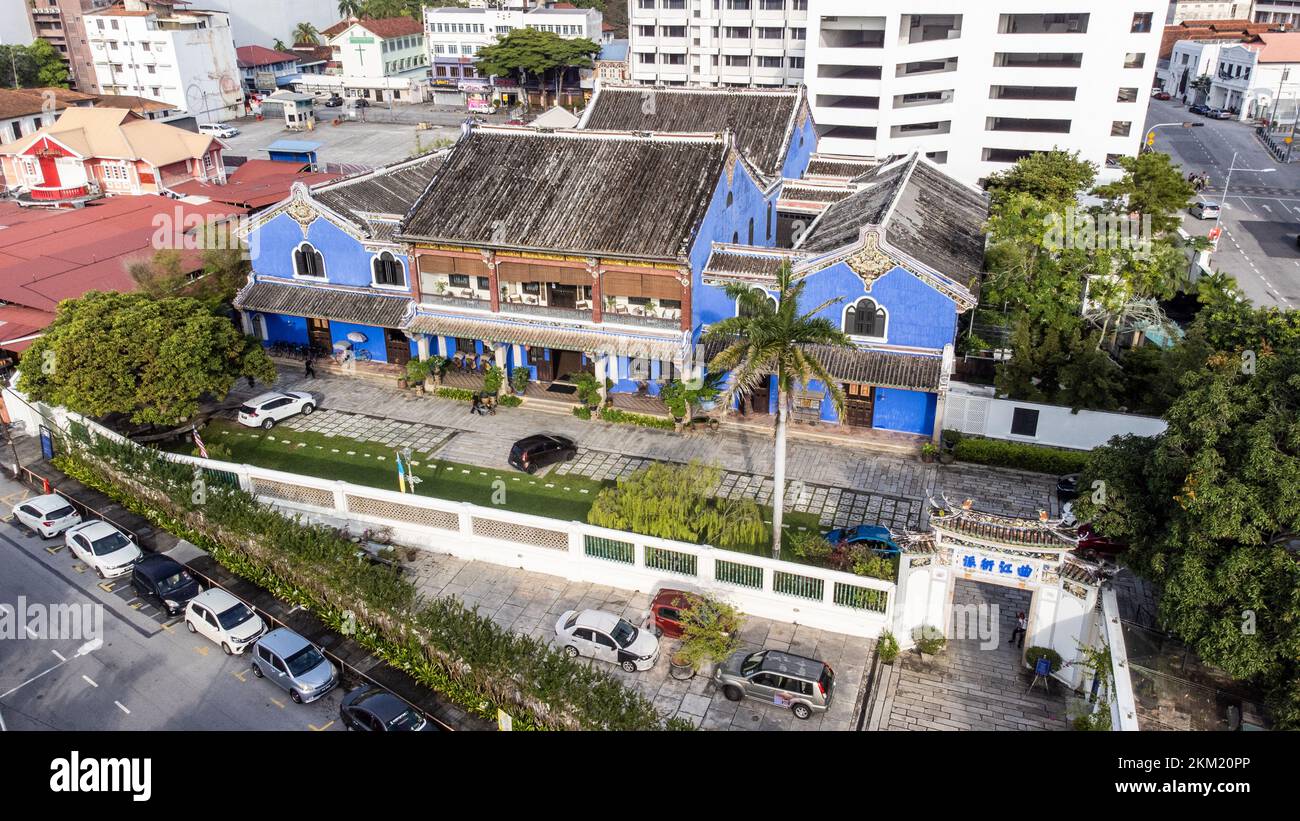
[[278, 703], [80, 568], [319, 729], [54, 549], [1266, 208], [239, 674], [89, 681], [168, 627], [201, 649], [58, 655], [122, 707]]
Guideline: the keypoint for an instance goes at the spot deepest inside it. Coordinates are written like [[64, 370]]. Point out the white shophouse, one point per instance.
[[1258, 79], [383, 60], [183, 57]]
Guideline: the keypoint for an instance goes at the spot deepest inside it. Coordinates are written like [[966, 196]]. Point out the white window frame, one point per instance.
[[293, 263], [844, 318], [405, 287]]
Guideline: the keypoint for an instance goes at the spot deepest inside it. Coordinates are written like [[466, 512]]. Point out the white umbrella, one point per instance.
[[357, 337]]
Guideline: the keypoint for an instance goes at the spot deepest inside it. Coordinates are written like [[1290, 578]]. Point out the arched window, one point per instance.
[[388, 270], [735, 237], [308, 262], [743, 309], [865, 318], [751, 230], [730, 199]]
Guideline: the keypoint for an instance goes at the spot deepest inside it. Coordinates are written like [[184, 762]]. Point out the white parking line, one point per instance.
[[58, 655], [122, 707], [88, 681]]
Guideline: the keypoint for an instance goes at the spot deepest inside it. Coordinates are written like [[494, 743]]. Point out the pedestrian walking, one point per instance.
[[250, 382], [308, 370], [1022, 624], [476, 405]]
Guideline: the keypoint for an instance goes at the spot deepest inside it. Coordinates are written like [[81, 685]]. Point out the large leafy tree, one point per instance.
[[1153, 186], [771, 339], [1211, 512], [526, 52], [153, 360], [32, 66], [1054, 176]]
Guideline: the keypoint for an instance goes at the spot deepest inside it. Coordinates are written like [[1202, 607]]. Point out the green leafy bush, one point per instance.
[[467, 657], [645, 421], [456, 393], [493, 380], [929, 640], [887, 647], [710, 630], [1033, 654], [519, 379], [508, 401], [416, 371], [677, 502], [813, 548], [582, 412], [1020, 456]]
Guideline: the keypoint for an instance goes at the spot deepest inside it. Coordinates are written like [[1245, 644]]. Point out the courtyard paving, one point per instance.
[[531, 603], [974, 684]]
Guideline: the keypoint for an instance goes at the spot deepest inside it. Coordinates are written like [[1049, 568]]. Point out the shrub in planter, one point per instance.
[[887, 647], [928, 452], [492, 381], [510, 401], [1020, 456], [710, 629], [929, 640], [582, 412], [434, 367], [416, 372], [1033, 654], [519, 379]]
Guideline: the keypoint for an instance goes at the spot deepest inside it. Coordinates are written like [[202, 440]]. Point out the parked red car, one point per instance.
[[666, 612], [1094, 545]]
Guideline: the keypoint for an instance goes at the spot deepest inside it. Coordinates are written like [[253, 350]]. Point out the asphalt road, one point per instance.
[[149, 673], [1261, 214]]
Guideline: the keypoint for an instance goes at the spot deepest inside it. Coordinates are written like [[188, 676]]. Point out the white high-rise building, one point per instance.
[[163, 51], [456, 34], [718, 42], [1180, 10], [1277, 11], [976, 86]]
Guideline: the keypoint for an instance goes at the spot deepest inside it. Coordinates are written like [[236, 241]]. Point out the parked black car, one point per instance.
[[1067, 488], [539, 450], [361, 102], [334, 102], [370, 709], [1199, 108], [164, 580]]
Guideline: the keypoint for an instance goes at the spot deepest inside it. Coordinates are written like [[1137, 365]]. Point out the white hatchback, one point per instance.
[[223, 619], [48, 515], [265, 410], [605, 636], [105, 548]]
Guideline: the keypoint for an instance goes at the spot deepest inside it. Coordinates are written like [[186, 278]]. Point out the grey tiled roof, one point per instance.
[[732, 262], [934, 219], [838, 167], [389, 190], [547, 334], [573, 192], [760, 119], [323, 302], [795, 190], [884, 369], [1007, 530]]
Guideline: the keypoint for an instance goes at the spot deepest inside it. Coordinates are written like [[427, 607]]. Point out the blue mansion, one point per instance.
[[605, 249]]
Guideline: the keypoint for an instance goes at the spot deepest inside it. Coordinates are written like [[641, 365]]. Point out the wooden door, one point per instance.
[[318, 335], [570, 362], [858, 400], [760, 398], [545, 367], [398, 346]]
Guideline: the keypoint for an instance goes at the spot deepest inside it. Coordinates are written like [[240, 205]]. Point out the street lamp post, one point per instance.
[[1226, 184], [1151, 132]]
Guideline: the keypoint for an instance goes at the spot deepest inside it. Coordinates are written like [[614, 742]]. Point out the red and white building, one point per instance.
[[90, 152]]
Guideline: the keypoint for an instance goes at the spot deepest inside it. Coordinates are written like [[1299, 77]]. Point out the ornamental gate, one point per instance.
[[1027, 554]]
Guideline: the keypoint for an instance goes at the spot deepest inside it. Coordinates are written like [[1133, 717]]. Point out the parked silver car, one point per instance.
[[294, 664], [804, 685]]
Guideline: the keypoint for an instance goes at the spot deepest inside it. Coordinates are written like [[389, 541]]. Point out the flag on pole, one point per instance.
[[198, 442], [401, 473]]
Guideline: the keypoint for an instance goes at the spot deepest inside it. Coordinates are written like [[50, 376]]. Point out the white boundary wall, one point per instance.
[[974, 409], [759, 586]]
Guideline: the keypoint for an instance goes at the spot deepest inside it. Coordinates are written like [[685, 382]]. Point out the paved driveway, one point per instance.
[[531, 603]]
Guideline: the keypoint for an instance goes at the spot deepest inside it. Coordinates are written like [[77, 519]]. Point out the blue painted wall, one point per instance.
[[907, 411], [346, 261], [721, 224], [281, 328], [918, 315], [802, 145], [374, 338]]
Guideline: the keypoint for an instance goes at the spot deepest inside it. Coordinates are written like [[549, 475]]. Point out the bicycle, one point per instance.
[[362, 355]]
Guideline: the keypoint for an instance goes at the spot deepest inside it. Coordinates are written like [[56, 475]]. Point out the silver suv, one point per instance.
[[295, 664], [804, 685]]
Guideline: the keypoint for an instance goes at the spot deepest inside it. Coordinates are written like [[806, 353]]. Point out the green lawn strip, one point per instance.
[[327, 457]]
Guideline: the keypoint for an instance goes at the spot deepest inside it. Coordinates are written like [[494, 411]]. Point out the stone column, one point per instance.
[[602, 372], [422, 346], [597, 297], [246, 322], [499, 359]]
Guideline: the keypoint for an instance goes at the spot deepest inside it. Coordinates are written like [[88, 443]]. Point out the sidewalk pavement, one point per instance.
[[844, 482]]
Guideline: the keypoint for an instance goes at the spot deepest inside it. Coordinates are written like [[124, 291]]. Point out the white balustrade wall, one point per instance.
[[757, 585]]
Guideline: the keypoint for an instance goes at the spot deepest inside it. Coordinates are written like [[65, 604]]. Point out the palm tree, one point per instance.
[[349, 9], [279, 45], [306, 33], [769, 338]]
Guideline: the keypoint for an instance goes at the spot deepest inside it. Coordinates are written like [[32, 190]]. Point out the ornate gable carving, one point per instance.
[[870, 262], [300, 208]]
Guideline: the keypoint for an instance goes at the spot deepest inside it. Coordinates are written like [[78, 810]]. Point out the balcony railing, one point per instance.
[[42, 192]]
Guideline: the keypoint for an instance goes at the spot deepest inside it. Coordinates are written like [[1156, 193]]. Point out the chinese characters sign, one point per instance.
[[1008, 569]]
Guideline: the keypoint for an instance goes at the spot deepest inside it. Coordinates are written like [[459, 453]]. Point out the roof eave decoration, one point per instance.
[[871, 257], [1043, 533], [304, 209]]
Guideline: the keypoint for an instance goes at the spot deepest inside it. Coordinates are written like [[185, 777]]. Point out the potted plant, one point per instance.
[[1033, 654], [928, 452], [440, 288], [710, 630], [887, 647], [416, 372], [929, 641], [519, 380], [434, 367], [492, 381]]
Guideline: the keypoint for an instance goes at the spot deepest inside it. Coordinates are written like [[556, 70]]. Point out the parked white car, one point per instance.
[[265, 410], [218, 130], [224, 620], [605, 636], [48, 515], [103, 547]]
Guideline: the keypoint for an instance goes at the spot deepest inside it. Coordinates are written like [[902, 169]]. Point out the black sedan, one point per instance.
[[165, 581], [533, 452], [1199, 108], [370, 709]]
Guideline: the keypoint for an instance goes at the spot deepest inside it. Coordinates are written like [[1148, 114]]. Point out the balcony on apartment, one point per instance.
[[850, 40], [931, 128]]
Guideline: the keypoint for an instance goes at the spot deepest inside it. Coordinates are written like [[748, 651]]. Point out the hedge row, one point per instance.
[[468, 657], [1019, 455]]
